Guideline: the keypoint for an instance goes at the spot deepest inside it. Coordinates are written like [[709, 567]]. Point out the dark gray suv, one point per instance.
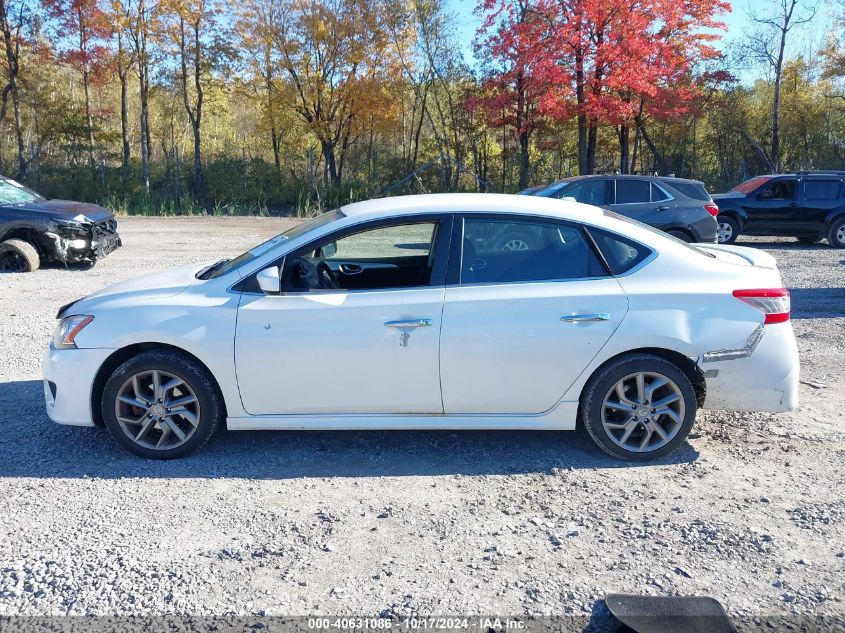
[[680, 207]]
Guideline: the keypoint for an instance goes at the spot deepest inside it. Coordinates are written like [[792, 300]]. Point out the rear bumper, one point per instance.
[[705, 229], [68, 379], [763, 376]]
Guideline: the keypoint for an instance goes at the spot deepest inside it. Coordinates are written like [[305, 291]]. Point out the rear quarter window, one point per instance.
[[694, 190], [620, 253]]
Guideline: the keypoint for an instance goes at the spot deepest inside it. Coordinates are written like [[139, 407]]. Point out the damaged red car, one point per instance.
[[35, 230]]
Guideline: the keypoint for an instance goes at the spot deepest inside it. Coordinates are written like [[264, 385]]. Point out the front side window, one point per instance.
[[821, 189], [383, 257], [506, 251], [632, 191], [590, 191], [779, 190]]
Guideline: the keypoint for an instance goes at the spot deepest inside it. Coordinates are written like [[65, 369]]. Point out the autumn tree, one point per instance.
[[768, 45], [13, 17], [85, 26], [333, 52], [192, 27]]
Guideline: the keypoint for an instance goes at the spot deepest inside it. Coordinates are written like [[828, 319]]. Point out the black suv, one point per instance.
[[809, 205], [680, 207], [35, 230]]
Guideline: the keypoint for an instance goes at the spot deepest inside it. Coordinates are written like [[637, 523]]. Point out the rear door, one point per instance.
[[644, 201], [519, 326]]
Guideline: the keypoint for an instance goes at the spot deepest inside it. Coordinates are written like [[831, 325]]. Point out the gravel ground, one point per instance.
[[750, 511]]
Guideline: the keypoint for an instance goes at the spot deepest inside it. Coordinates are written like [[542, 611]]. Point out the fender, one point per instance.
[[833, 216]]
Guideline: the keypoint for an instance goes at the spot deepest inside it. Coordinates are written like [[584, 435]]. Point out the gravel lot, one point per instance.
[[750, 511]]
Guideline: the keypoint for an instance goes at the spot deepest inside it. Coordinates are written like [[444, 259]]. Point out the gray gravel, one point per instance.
[[750, 511]]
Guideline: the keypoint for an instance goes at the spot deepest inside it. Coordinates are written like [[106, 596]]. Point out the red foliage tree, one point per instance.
[[601, 61]]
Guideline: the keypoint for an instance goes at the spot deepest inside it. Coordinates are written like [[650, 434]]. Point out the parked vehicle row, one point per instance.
[[807, 205], [408, 313]]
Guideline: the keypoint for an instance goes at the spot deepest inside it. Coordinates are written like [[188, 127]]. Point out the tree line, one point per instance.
[[182, 106]]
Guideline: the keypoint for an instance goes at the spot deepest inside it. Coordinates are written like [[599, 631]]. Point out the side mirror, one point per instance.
[[269, 281], [329, 250]]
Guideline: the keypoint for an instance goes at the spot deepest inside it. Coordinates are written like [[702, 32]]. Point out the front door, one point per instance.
[[519, 326], [364, 342], [774, 207]]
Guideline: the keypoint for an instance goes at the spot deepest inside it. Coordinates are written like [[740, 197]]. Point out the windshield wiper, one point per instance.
[[206, 273]]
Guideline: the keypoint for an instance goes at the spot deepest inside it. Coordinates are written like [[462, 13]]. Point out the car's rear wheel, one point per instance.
[[18, 256], [727, 229], [161, 404], [516, 241], [836, 235], [639, 407]]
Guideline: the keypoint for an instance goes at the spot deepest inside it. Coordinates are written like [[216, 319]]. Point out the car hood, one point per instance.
[[167, 283], [727, 196], [65, 210]]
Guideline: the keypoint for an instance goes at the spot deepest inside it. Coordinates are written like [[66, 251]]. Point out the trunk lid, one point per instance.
[[740, 255]]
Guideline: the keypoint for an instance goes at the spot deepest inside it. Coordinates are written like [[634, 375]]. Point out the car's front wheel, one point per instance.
[[161, 404], [836, 235], [18, 256], [639, 407], [727, 229]]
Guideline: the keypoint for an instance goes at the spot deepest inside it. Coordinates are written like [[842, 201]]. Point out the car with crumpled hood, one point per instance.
[[35, 230]]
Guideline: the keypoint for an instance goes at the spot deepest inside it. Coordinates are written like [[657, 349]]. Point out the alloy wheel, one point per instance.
[[643, 412], [515, 244], [840, 234], [157, 410], [725, 232]]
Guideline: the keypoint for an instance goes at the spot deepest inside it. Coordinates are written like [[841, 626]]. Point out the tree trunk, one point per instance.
[[522, 132], [583, 165], [624, 149], [124, 120], [330, 173]]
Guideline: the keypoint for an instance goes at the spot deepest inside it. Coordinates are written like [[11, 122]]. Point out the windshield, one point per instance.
[[651, 229], [226, 266], [751, 184], [12, 192]]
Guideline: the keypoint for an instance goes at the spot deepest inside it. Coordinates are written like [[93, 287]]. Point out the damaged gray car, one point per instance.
[[34, 230]]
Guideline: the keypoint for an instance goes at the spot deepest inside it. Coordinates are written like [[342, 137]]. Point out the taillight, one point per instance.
[[712, 209], [772, 302]]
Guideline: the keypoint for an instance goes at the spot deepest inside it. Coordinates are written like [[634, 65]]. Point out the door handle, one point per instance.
[[662, 208], [409, 324], [351, 269], [585, 318]]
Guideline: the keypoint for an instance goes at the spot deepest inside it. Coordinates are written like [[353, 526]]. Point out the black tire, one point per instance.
[[836, 235], [730, 229], [809, 239], [197, 378], [18, 256], [604, 380], [681, 235]]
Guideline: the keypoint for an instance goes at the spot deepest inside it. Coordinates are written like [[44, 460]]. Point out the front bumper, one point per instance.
[[762, 378], [71, 247], [68, 380]]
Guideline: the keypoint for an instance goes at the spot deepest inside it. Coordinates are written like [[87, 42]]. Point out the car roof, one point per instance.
[[468, 202]]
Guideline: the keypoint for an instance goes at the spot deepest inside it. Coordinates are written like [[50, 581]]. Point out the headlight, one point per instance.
[[67, 330]]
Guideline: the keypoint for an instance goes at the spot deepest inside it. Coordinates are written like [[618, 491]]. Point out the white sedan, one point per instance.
[[456, 311]]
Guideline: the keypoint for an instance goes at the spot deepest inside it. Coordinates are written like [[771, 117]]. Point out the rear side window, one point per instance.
[[821, 189], [694, 190], [629, 191], [620, 253], [507, 251], [657, 194]]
